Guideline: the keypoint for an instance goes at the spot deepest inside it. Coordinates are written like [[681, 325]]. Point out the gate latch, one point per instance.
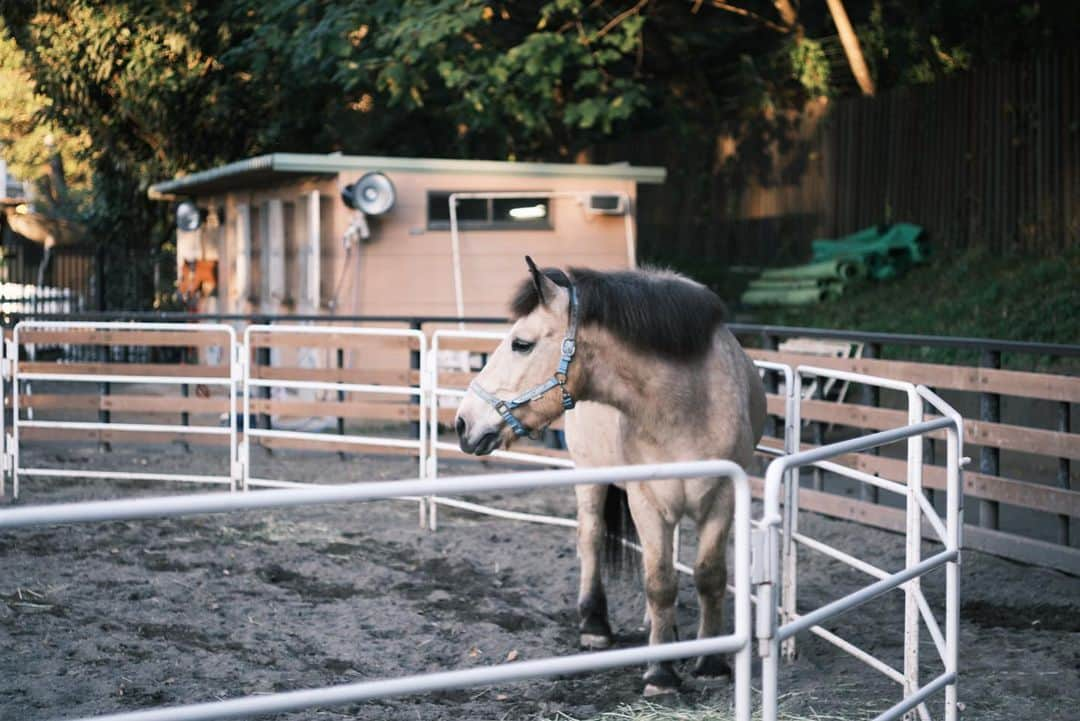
[[760, 557]]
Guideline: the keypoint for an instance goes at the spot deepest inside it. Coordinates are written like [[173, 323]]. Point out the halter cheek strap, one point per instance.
[[505, 408]]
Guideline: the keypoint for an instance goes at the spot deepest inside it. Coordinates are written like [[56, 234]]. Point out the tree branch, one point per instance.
[[614, 22], [727, 7]]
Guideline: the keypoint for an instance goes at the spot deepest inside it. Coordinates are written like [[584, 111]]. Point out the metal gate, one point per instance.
[[326, 380], [739, 642], [110, 377], [778, 620]]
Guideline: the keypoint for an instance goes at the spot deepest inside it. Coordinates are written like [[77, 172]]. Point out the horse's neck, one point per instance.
[[653, 394]]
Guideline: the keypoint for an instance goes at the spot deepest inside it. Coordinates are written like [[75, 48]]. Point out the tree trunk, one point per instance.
[[851, 46]]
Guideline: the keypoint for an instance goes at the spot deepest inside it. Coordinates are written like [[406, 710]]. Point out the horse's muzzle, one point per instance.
[[482, 446]]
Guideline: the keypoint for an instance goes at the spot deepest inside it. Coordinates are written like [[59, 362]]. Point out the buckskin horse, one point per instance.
[[659, 378]]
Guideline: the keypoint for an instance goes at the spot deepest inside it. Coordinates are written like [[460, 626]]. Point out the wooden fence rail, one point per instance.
[[1050, 497]]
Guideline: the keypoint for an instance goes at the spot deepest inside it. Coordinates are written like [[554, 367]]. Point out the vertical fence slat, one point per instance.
[[1064, 475], [989, 457], [871, 396]]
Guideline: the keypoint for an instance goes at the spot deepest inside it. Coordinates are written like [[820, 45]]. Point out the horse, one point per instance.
[[659, 378]]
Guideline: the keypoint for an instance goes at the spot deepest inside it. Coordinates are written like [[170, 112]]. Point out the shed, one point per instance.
[[277, 237]]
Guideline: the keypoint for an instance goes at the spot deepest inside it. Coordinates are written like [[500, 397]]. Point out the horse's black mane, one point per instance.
[[652, 310]]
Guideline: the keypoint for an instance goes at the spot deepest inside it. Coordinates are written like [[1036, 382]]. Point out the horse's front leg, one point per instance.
[[710, 578], [594, 629], [661, 589]]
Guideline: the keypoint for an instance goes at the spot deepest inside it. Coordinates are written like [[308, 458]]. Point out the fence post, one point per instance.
[[871, 396], [106, 390], [1064, 425], [414, 365], [989, 458], [340, 353], [99, 274], [185, 392], [262, 358], [817, 433], [768, 342]]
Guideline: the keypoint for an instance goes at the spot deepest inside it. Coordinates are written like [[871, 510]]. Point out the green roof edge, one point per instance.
[[312, 164]]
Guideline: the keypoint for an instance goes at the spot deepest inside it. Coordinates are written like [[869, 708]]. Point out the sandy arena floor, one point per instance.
[[123, 616]]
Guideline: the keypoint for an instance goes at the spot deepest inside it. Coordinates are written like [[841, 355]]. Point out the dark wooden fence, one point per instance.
[[986, 158]]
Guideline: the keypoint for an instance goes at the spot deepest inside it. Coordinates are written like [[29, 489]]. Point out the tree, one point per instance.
[[35, 148], [157, 89]]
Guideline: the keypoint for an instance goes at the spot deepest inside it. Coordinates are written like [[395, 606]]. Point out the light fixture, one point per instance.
[[529, 212], [607, 204], [188, 216]]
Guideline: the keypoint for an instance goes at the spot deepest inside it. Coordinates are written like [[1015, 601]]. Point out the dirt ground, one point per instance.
[[123, 616]]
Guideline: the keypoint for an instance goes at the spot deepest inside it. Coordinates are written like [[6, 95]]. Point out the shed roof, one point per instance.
[[266, 169]]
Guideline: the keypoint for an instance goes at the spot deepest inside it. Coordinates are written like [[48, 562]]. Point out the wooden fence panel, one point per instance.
[[1024, 494], [125, 369], [1046, 386], [92, 336]]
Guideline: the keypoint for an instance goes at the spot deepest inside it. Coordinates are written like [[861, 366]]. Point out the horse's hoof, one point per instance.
[[713, 666], [661, 679], [595, 641]]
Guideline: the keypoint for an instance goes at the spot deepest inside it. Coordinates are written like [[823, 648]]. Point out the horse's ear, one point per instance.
[[539, 280]]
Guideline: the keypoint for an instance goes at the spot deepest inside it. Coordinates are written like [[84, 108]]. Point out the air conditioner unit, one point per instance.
[[607, 204]]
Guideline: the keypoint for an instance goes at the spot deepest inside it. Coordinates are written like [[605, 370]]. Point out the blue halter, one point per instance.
[[506, 408]]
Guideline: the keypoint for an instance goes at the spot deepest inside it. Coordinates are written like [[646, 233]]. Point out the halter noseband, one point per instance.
[[569, 347]]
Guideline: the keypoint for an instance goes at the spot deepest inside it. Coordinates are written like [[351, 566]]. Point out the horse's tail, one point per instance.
[[620, 529]]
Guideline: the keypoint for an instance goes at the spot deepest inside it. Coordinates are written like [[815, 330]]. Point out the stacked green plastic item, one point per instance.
[[878, 253], [803, 284], [887, 250]]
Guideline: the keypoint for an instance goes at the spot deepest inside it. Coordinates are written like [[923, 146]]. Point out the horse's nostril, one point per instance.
[[461, 427]]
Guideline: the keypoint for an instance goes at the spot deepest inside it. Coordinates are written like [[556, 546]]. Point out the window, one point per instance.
[[524, 213]]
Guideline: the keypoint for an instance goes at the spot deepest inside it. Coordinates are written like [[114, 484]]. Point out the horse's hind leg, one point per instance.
[[710, 578], [594, 630], [661, 589]]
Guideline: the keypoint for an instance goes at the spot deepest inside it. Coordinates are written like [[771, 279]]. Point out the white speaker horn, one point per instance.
[[372, 194]]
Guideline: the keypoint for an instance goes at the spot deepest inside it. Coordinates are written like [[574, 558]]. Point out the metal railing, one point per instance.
[[19, 376], [738, 642], [782, 538], [775, 568], [419, 444]]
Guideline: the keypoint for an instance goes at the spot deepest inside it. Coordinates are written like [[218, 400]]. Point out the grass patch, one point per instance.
[[973, 294]]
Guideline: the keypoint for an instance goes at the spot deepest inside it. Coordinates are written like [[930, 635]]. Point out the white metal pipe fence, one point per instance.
[[738, 642], [417, 392], [228, 379], [783, 474], [775, 569]]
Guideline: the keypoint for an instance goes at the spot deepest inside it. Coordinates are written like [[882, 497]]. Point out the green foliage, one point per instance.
[[810, 66], [143, 91], [27, 139]]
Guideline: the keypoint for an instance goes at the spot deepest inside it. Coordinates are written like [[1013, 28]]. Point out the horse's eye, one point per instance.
[[521, 346]]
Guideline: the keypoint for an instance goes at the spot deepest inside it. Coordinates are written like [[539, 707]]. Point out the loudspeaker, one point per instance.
[[373, 194]]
